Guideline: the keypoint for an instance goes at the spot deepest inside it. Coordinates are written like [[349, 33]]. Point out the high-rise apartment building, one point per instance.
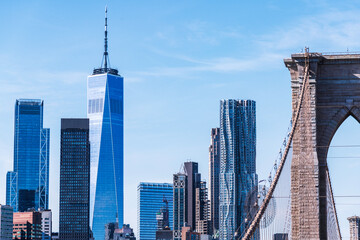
[[28, 185], [6, 222], [27, 225], [193, 181], [185, 185], [202, 209], [238, 177], [105, 110], [180, 203], [74, 180], [214, 177], [151, 198], [46, 224], [354, 223]]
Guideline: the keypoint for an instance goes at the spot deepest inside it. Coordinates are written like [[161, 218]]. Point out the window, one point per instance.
[[95, 105]]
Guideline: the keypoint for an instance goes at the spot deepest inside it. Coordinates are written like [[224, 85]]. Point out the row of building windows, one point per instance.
[[97, 105]]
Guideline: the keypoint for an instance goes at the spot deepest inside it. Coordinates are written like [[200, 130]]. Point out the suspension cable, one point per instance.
[[251, 230]]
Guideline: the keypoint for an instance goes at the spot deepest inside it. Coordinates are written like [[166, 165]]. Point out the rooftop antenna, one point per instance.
[[105, 68], [106, 54]]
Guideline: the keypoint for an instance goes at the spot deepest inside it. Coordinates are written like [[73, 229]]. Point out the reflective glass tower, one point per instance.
[[238, 179], [105, 112], [151, 198], [28, 185]]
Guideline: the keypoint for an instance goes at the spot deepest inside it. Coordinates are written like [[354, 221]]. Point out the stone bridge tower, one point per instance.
[[332, 93]]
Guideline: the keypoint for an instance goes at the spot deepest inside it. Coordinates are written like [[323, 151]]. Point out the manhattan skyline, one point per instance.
[[174, 58]]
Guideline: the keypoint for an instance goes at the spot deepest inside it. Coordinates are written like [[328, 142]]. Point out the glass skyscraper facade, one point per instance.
[[180, 203], [105, 111], [74, 180], [151, 198], [214, 176], [238, 179], [28, 185]]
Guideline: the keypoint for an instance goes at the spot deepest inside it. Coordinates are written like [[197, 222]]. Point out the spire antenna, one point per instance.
[[106, 55], [105, 62]]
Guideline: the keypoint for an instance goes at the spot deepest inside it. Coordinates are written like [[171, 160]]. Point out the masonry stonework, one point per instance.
[[332, 93]]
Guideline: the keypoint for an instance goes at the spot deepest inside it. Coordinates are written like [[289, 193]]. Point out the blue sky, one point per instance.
[[178, 58]]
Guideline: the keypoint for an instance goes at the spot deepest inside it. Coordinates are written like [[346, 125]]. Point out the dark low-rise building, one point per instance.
[[164, 234], [281, 236]]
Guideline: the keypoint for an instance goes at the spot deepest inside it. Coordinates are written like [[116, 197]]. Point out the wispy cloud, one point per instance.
[[198, 32], [39, 82], [215, 65], [19, 79], [333, 31], [330, 31]]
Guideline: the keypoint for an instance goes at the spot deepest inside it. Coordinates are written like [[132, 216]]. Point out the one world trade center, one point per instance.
[[105, 112]]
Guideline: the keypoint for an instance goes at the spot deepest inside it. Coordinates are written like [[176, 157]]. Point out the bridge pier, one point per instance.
[[332, 93]]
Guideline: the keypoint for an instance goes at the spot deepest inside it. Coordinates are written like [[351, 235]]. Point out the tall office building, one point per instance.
[[74, 180], [237, 164], [180, 203], [193, 181], [6, 222], [28, 185], [202, 209], [105, 111], [214, 177], [151, 198], [354, 222]]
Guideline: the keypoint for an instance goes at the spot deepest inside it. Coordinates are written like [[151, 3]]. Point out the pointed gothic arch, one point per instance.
[[331, 96]]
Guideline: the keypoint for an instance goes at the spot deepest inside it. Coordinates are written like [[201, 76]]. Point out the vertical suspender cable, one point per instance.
[[255, 223]]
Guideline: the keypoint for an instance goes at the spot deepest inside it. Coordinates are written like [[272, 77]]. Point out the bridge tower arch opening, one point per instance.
[[331, 95], [343, 162]]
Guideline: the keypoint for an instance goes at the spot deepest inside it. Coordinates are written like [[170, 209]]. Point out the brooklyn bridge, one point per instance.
[[297, 201]]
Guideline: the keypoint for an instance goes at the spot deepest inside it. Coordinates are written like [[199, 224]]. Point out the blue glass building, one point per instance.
[[150, 200], [105, 112], [28, 185], [238, 179], [74, 180], [180, 203]]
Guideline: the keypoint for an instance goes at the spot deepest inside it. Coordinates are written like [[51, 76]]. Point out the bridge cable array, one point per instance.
[[248, 235]]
